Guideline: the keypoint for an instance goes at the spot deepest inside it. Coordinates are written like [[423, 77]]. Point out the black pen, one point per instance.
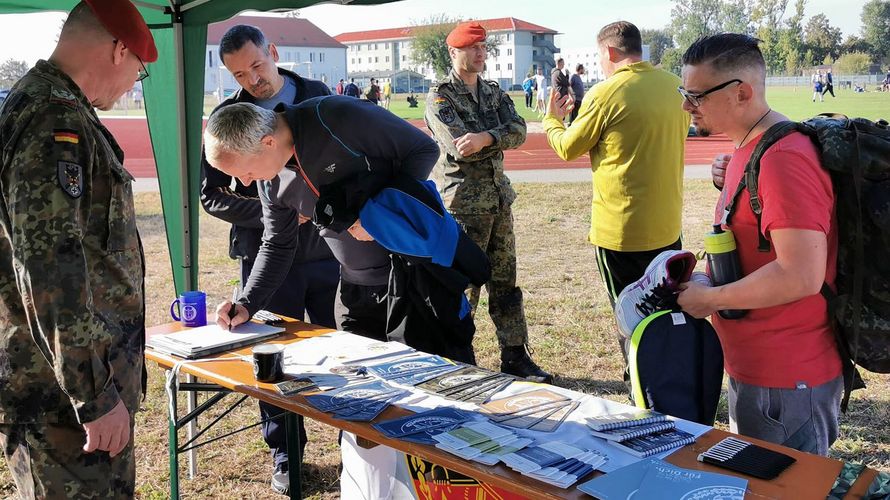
[[232, 309]]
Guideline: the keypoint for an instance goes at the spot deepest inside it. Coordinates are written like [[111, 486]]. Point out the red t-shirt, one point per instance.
[[791, 344]]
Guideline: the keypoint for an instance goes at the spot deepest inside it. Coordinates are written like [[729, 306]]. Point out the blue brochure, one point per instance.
[[620, 483], [424, 421], [664, 480]]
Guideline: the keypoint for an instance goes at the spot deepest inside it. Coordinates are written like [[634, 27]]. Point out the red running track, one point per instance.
[[535, 153]]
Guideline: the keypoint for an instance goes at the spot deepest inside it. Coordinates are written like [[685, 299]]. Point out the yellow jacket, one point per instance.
[[634, 128]]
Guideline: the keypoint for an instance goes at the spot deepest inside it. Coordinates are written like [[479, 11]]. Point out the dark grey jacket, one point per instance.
[[335, 137]]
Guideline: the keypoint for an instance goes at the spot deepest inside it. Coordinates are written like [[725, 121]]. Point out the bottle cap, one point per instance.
[[721, 241]]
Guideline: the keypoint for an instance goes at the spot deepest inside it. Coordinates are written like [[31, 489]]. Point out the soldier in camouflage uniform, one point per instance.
[[474, 121], [72, 309]]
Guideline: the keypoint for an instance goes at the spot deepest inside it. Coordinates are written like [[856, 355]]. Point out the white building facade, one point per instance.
[[522, 48], [302, 48]]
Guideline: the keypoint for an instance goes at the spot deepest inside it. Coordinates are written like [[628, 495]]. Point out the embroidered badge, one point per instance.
[[70, 178], [65, 135], [440, 100], [331, 168], [446, 114], [63, 96]]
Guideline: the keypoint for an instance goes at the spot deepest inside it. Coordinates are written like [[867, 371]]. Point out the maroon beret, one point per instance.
[[124, 22], [466, 34]]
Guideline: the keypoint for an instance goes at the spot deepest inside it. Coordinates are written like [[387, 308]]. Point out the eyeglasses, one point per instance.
[[696, 97], [143, 73]]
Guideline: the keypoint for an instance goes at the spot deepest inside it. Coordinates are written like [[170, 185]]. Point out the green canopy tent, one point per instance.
[[174, 97]]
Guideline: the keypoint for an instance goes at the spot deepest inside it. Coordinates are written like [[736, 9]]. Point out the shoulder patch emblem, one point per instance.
[[446, 114], [440, 100], [66, 135], [62, 96], [70, 178]]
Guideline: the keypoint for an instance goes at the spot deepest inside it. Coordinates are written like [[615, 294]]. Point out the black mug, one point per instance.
[[268, 362]]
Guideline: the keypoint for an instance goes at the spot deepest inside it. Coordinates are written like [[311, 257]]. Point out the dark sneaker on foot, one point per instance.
[[515, 360], [281, 479]]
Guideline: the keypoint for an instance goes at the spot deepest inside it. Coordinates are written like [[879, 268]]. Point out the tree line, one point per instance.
[[790, 43]]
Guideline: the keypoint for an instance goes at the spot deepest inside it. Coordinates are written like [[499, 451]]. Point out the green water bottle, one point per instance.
[[723, 263]]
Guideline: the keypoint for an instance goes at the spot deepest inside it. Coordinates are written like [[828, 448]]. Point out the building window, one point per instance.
[[509, 66], [376, 59], [497, 52], [375, 46], [387, 58], [312, 57], [497, 67], [359, 60], [509, 52], [210, 58], [321, 57], [386, 46], [534, 53], [403, 58], [352, 61]]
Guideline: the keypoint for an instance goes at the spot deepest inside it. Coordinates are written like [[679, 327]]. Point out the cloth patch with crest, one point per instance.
[[70, 178], [62, 96]]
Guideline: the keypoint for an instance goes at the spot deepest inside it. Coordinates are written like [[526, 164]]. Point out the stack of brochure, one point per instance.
[[357, 403], [653, 478], [540, 410], [482, 442], [640, 433], [555, 463], [413, 370], [468, 383], [211, 339], [420, 427]]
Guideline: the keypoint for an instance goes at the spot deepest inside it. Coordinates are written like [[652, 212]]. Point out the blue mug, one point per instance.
[[192, 309]]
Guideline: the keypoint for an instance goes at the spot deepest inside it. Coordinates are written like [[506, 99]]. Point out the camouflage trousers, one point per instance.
[[47, 461], [494, 234]]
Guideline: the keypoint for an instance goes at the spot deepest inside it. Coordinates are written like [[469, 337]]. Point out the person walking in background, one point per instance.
[[559, 79], [474, 121], [339, 88], [576, 84], [829, 84], [72, 269], [528, 85], [817, 85], [373, 92], [542, 95], [634, 129], [387, 94], [352, 89]]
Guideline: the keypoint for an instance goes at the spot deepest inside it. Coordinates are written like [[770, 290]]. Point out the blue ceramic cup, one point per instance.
[[192, 309]]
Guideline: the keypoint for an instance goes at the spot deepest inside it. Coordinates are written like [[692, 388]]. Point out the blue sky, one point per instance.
[[32, 36]]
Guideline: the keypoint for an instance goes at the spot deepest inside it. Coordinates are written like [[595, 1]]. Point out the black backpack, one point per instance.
[[856, 152], [676, 366]]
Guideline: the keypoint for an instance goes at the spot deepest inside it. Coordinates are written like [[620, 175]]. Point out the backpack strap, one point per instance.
[[633, 345], [752, 171]]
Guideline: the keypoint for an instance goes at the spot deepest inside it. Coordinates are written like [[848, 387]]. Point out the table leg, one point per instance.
[[294, 456], [191, 403], [173, 448]]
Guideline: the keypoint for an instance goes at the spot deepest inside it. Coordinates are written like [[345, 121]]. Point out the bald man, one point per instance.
[[72, 308]]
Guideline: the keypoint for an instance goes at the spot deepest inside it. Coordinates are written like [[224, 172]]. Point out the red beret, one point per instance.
[[466, 34], [125, 23]]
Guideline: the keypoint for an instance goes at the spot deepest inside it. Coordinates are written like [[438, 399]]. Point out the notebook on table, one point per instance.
[[624, 420], [653, 444]]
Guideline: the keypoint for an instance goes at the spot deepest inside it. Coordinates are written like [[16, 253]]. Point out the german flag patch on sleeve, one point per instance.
[[66, 135]]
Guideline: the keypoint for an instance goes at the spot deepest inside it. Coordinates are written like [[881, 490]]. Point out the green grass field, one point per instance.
[[795, 102]]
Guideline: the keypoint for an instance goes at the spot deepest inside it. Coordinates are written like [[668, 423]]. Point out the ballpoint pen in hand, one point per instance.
[[233, 310]]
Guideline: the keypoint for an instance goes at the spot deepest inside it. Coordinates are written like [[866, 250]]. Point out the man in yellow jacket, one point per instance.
[[633, 126]]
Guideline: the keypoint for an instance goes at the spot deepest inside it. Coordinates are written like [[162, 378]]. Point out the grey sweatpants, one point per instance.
[[805, 419]]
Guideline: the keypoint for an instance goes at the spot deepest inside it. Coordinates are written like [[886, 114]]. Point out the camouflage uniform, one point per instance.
[[477, 192], [72, 308]]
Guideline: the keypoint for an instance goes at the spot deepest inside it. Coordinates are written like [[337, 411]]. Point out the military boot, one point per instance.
[[515, 360]]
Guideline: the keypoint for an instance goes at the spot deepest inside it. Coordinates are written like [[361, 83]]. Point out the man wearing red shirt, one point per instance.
[[785, 373]]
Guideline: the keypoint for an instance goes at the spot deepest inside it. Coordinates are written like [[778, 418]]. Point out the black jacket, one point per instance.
[[241, 207], [335, 137]]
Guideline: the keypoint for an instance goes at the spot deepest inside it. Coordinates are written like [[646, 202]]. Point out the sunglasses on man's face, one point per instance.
[[695, 98]]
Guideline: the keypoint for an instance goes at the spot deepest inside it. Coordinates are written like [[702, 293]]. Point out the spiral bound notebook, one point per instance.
[[653, 444], [623, 420], [747, 458], [632, 432]]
